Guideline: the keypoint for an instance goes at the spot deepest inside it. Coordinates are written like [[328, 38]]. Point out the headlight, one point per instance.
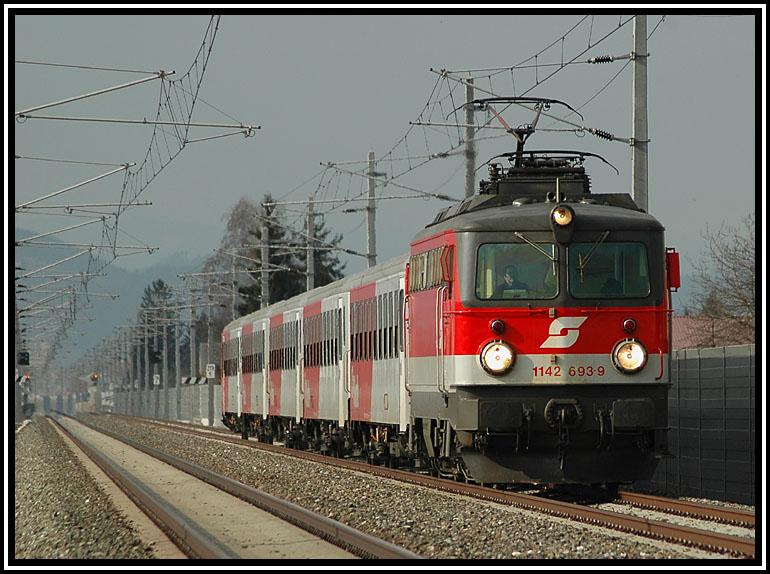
[[562, 215], [497, 358], [629, 356]]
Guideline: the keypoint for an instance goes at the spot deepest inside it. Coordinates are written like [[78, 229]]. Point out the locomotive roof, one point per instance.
[[371, 275], [599, 211]]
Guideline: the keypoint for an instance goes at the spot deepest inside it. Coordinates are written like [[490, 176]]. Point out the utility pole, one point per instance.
[[470, 145], [146, 351], [232, 283], [639, 137], [310, 280], [265, 257], [177, 363], [371, 242], [144, 409], [155, 371], [137, 369], [193, 341], [209, 383], [208, 323], [130, 370], [165, 369]]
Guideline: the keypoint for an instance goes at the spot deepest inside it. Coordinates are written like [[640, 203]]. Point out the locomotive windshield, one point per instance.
[[608, 270], [516, 271]]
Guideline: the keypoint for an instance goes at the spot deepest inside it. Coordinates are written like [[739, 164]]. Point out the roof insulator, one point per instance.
[[601, 134]]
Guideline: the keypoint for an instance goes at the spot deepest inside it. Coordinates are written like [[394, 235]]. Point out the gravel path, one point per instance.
[[60, 512], [432, 524]]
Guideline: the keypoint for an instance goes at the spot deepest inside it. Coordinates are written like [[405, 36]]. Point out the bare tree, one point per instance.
[[725, 284]]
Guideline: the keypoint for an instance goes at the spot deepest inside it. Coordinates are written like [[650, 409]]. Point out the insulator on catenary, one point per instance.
[[602, 134], [602, 59]]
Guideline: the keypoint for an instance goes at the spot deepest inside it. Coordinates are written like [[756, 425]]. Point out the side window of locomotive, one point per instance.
[[516, 271], [608, 270]]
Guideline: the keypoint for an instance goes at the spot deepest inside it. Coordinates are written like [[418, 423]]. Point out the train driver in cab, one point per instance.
[[510, 284]]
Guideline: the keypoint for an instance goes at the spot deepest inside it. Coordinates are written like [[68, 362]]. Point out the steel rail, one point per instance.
[[342, 535], [187, 535], [688, 508], [712, 541]]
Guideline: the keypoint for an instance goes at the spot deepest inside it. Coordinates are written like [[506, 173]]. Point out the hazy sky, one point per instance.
[[332, 87]]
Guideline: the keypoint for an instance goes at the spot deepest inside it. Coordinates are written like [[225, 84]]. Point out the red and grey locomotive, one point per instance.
[[526, 338]]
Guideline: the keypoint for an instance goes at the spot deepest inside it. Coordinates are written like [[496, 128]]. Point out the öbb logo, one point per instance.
[[557, 340]]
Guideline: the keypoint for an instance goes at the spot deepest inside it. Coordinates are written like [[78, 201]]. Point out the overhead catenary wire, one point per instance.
[[431, 104], [57, 160], [176, 103], [85, 67]]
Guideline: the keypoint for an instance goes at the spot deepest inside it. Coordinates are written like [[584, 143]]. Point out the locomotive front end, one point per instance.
[[554, 329]]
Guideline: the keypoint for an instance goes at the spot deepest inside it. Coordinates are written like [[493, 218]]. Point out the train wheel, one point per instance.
[[244, 428]]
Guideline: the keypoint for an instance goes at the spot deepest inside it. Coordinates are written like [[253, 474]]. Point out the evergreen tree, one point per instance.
[[328, 267], [157, 295]]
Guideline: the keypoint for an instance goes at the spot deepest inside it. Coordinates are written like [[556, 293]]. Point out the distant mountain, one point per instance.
[[98, 321]]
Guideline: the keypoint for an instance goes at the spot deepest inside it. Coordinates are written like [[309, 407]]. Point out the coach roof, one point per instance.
[[389, 268]]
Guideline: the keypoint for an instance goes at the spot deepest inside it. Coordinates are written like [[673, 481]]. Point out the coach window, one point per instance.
[[378, 328], [509, 271], [245, 347], [316, 360], [372, 326], [295, 344], [391, 326], [400, 329], [364, 330], [370, 329], [284, 345], [316, 340], [246, 354], [333, 337], [325, 322]]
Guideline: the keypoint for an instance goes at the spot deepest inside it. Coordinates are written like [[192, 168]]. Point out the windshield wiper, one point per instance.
[[583, 263], [552, 258]]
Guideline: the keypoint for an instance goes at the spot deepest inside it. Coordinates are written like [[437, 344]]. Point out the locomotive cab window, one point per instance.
[[516, 271], [608, 270]]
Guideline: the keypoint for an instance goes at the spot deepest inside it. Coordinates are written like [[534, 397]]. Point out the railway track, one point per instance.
[[690, 509], [695, 537], [193, 539]]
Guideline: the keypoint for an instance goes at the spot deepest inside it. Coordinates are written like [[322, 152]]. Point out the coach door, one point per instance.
[[343, 357], [291, 377], [238, 371], [403, 397], [259, 375]]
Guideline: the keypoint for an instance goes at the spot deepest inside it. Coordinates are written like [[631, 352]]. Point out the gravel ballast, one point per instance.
[[60, 511], [432, 524]]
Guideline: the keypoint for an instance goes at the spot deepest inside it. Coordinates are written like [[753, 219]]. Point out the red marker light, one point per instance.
[[629, 325]]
